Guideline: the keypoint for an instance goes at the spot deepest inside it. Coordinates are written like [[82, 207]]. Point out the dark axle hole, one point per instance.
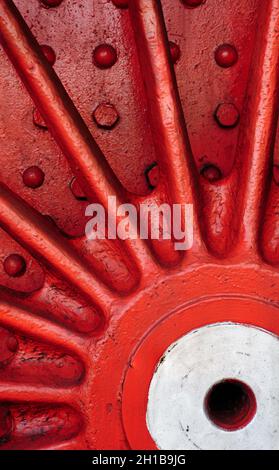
[[230, 404]]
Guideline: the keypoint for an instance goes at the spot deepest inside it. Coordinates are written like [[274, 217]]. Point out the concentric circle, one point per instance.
[[168, 399], [199, 362]]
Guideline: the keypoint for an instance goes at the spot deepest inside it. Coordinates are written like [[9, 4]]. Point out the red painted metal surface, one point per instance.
[[173, 101]]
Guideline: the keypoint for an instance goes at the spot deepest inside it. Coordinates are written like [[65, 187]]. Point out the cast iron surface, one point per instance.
[[172, 102]]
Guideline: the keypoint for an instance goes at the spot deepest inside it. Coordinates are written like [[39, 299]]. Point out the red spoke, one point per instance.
[[20, 319], [182, 98], [169, 131], [37, 235], [166, 115], [29, 393], [259, 125], [58, 110]]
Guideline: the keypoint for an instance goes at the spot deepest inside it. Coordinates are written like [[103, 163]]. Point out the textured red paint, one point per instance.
[[40, 425], [82, 311]]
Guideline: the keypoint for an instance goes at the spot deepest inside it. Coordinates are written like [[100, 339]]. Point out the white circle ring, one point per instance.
[[176, 417]]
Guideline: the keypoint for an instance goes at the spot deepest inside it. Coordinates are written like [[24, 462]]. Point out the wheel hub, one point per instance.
[[213, 385]]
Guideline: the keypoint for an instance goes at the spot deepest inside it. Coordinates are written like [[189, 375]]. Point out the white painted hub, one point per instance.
[[176, 416]]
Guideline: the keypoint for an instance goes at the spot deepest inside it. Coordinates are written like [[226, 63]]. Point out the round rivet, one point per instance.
[[153, 175], [51, 3], [104, 56], [175, 52], [227, 115], [33, 177], [105, 115], [121, 3], [226, 55], [77, 190], [192, 3], [211, 173], [48, 53], [15, 265], [38, 119], [6, 423]]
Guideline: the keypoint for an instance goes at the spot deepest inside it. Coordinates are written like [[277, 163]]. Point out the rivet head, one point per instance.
[[152, 174], [211, 173], [175, 52], [121, 3], [48, 53], [192, 3], [105, 115], [51, 3], [33, 177], [227, 115], [104, 56], [226, 55], [38, 119], [15, 265], [76, 189]]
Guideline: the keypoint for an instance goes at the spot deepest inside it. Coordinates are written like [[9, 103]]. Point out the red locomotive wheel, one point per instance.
[[131, 344]]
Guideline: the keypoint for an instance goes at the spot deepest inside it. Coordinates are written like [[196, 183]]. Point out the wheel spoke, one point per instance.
[[35, 233], [33, 425], [60, 114], [20, 319], [61, 117], [166, 115], [10, 392], [167, 121], [259, 125], [58, 302], [232, 207]]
